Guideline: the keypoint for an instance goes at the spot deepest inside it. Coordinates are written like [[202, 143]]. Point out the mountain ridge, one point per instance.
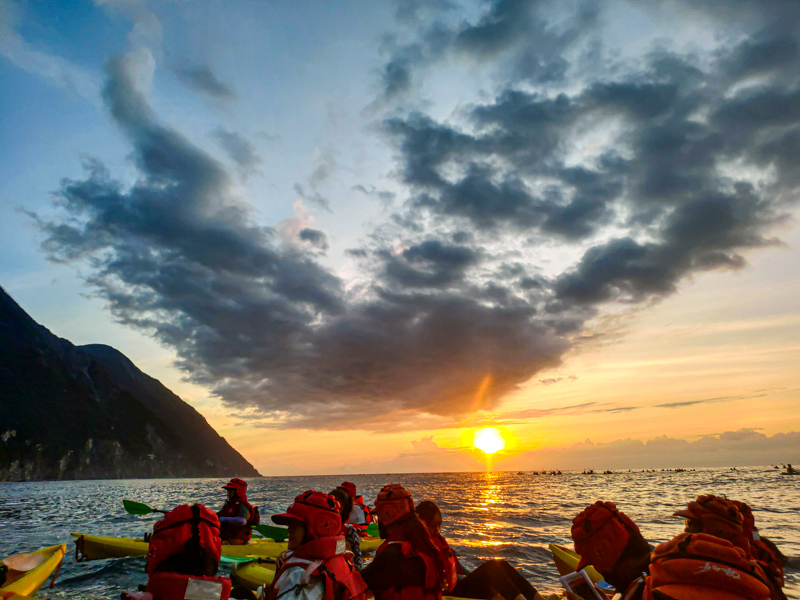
[[87, 412]]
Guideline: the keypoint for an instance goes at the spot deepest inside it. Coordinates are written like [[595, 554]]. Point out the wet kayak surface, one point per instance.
[[504, 515]]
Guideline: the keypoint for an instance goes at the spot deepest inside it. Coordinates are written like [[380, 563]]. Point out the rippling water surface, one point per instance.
[[513, 516]]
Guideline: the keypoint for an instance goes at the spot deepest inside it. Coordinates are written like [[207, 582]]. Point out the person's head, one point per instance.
[[350, 488], [609, 541], [392, 504], [716, 516], [430, 515], [345, 501], [237, 489], [311, 516]]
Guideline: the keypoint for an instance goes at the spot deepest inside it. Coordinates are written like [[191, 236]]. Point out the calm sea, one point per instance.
[[513, 516]]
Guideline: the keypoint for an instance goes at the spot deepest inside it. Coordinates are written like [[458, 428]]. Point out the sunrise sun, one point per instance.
[[489, 440]]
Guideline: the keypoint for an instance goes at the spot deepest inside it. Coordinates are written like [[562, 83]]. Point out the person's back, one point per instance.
[[611, 542], [183, 556]]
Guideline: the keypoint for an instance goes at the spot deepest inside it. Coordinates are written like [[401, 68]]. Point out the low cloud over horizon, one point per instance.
[[579, 180]]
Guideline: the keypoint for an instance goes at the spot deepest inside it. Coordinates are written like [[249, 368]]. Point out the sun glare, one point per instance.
[[489, 440]]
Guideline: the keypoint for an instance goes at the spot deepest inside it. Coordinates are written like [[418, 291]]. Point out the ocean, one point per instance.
[[501, 515]]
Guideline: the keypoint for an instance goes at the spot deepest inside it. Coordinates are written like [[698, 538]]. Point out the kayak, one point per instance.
[[38, 566], [252, 574], [567, 562], [92, 547]]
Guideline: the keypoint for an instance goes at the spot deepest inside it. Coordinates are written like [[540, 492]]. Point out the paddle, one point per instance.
[[139, 508], [279, 534], [247, 559]]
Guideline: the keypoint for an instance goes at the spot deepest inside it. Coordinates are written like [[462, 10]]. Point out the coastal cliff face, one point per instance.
[[87, 412]]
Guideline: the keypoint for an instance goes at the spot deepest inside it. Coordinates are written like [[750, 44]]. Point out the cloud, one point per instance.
[[241, 151], [201, 78], [59, 71], [641, 173]]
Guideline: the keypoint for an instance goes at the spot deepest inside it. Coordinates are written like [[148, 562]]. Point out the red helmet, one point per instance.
[[239, 486], [393, 502], [349, 487], [748, 520], [719, 517], [600, 533], [318, 511]]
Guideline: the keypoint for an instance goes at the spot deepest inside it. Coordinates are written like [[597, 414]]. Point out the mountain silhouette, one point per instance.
[[87, 412]]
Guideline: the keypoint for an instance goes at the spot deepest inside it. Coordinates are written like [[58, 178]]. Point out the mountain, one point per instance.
[[87, 412]]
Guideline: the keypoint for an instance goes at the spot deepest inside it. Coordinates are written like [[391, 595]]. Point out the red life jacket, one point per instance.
[[432, 589], [174, 586], [187, 536], [447, 556], [761, 551], [323, 557], [238, 533], [698, 566]]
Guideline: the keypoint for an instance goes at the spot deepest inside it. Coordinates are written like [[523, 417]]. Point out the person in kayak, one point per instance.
[[351, 535], [611, 542], [492, 578], [407, 565], [360, 517], [237, 515], [315, 567], [723, 518]]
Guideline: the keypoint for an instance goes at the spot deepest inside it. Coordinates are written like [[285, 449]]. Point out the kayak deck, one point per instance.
[[93, 547], [28, 582]]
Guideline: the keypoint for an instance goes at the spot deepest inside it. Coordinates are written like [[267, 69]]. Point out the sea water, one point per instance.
[[500, 515]]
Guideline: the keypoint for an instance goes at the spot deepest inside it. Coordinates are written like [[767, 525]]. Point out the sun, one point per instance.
[[489, 440]]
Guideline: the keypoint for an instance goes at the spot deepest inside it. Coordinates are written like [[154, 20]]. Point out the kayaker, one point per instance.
[[611, 542], [360, 517], [790, 469], [183, 555], [733, 521], [351, 535], [407, 565], [492, 578], [237, 515], [315, 567]]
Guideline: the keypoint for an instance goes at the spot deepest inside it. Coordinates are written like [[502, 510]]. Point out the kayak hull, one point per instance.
[[29, 582], [94, 547], [252, 574]]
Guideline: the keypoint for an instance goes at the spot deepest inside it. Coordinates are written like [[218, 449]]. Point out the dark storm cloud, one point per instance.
[[202, 79], [255, 318], [241, 151], [525, 213]]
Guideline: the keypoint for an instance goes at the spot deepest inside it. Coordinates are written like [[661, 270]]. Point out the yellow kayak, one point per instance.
[[252, 574], [39, 566], [567, 562], [92, 547]]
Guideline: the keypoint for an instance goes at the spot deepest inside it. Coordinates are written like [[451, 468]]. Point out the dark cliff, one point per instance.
[[87, 412]]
